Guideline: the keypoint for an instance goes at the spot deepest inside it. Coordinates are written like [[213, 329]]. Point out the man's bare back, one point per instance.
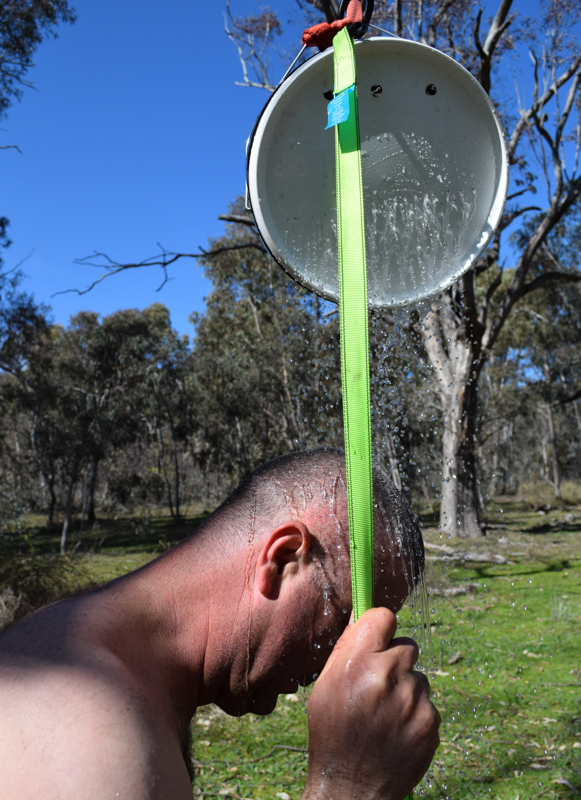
[[76, 722]]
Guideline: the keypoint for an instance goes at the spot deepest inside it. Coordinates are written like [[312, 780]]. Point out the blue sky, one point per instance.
[[134, 135]]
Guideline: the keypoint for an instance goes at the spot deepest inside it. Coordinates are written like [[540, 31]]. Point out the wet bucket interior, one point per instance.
[[434, 167]]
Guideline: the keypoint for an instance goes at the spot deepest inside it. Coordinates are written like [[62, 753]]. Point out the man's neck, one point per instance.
[[165, 621]]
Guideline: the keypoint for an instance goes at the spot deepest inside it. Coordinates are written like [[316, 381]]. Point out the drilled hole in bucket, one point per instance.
[[431, 89], [376, 90], [329, 95]]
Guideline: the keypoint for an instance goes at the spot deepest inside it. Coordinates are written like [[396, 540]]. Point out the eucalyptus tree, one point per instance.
[[34, 440], [265, 373], [121, 380], [551, 370], [166, 407], [80, 397], [462, 327], [265, 358], [23, 26], [22, 323]]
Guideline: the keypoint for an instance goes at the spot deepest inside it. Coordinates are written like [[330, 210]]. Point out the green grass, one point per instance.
[[511, 701], [505, 669], [33, 573], [135, 532], [511, 719]]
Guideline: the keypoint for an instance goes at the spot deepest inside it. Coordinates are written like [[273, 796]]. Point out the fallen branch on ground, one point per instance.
[[461, 555]]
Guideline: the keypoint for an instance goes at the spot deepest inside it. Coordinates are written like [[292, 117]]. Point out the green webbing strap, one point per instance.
[[353, 310], [354, 330]]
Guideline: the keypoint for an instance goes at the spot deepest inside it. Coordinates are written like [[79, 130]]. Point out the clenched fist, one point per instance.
[[373, 730]]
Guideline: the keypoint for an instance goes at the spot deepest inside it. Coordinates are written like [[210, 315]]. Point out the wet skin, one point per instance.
[[113, 678], [305, 649]]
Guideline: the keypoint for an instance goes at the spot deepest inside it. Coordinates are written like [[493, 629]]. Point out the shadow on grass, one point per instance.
[[130, 535], [492, 571], [557, 527]]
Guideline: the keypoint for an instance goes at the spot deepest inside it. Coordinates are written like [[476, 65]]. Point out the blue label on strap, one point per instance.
[[339, 108]]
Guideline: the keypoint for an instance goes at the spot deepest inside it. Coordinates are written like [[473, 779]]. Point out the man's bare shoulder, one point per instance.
[[74, 722]]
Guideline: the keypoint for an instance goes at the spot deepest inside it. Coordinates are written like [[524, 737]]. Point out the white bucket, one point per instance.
[[435, 171]]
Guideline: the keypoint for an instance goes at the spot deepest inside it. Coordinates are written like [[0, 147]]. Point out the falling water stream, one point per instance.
[[394, 351], [403, 387], [433, 190]]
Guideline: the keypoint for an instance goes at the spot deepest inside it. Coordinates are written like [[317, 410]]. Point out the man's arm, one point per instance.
[[373, 730]]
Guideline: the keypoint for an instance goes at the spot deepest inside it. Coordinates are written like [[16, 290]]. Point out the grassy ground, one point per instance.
[[506, 675], [505, 668]]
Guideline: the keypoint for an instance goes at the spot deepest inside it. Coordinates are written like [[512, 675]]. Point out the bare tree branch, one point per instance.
[[564, 400], [522, 191], [540, 280], [436, 20], [16, 267], [166, 259], [538, 103], [476, 33], [486, 51], [242, 219], [510, 217], [252, 38], [562, 196]]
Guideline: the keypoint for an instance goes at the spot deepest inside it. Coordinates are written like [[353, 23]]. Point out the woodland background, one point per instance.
[[118, 434], [475, 395]]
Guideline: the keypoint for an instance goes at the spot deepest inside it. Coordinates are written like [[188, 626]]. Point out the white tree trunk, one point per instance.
[[452, 360], [449, 509]]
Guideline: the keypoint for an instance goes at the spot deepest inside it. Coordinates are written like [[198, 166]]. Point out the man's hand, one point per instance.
[[373, 730]]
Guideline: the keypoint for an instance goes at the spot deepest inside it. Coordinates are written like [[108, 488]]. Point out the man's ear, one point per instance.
[[285, 546]]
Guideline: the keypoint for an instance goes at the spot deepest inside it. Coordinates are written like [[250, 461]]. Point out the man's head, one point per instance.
[[310, 485], [288, 525]]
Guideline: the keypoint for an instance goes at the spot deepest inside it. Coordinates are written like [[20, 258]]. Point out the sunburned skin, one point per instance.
[[97, 691]]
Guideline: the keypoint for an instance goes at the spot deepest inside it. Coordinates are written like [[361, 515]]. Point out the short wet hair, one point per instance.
[[292, 481]]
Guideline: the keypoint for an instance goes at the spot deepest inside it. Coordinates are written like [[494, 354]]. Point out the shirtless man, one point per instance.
[[97, 691]]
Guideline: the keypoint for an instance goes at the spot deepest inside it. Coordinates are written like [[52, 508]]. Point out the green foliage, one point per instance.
[[111, 414], [30, 581], [23, 26], [266, 366], [571, 493], [537, 494], [21, 319], [80, 395], [4, 240]]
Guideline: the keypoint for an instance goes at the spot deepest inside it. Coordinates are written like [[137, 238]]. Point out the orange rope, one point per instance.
[[322, 35]]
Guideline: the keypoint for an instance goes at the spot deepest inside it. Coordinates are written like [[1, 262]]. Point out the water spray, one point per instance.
[[398, 210]]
